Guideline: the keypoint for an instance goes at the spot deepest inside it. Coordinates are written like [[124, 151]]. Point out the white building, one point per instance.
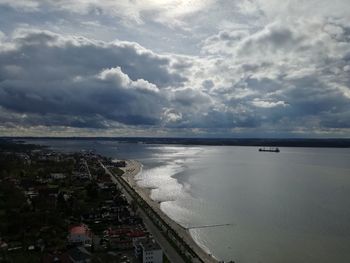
[[58, 176], [148, 250]]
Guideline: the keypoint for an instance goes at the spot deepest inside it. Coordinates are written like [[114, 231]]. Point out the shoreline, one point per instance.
[[133, 168]]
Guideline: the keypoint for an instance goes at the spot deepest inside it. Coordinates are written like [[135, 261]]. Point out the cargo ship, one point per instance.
[[269, 149]]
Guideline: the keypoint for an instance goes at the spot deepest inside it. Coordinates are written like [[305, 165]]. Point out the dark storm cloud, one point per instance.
[[13, 119], [44, 73], [84, 56]]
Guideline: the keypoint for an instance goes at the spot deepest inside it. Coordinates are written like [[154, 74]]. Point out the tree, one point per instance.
[[92, 190]]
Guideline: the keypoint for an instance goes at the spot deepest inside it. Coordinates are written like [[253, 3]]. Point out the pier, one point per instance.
[[208, 226]]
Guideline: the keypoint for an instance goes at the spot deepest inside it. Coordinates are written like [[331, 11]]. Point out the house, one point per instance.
[[47, 190], [80, 235], [119, 163], [58, 176], [123, 238], [120, 242], [148, 250], [3, 244], [137, 234], [31, 193], [81, 175]]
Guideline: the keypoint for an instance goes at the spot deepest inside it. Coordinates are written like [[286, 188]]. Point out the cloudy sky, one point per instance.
[[225, 68]]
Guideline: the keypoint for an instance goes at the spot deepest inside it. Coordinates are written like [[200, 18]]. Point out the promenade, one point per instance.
[[167, 248]]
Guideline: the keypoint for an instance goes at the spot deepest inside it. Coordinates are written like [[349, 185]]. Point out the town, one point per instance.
[[64, 207]]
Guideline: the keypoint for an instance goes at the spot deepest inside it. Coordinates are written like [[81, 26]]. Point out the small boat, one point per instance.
[[269, 149]]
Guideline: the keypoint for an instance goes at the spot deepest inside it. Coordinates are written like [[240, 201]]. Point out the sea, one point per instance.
[[244, 205]]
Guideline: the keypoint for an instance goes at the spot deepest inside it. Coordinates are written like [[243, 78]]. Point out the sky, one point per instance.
[[175, 68]]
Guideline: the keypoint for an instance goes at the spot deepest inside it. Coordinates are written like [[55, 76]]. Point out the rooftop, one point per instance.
[[149, 244], [81, 229]]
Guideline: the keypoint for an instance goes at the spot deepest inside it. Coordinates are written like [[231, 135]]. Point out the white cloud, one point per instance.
[[268, 104], [167, 11], [120, 79], [116, 75], [24, 5], [290, 9], [171, 115]]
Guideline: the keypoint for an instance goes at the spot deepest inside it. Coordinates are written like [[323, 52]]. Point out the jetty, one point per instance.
[[207, 226]]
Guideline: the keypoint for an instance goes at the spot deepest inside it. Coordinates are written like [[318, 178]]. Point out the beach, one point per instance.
[[134, 167]]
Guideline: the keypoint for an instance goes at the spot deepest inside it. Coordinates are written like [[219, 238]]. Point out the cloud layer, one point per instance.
[[272, 70]]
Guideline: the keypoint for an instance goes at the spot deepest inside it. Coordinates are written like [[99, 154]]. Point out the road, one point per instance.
[[88, 169], [168, 249]]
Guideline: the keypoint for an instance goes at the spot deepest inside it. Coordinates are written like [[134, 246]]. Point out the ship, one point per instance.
[[269, 149]]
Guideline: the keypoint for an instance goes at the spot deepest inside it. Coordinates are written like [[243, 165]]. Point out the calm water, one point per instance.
[[292, 206]]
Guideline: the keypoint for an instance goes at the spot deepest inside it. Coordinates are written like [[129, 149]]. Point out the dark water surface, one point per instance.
[[292, 206]]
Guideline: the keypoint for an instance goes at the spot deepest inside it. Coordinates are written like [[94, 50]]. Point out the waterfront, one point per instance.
[[285, 207]]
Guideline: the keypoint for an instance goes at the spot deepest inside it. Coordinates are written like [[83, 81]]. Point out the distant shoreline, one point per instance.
[[254, 142]]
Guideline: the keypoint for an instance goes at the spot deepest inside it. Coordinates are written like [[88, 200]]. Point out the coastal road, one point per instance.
[[88, 169], [168, 249]]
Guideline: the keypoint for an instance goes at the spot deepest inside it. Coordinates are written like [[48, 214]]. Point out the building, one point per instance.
[[58, 176], [119, 163], [123, 238], [148, 250], [80, 235]]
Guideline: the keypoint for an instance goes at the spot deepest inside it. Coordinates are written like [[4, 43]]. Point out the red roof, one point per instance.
[[81, 229], [137, 233], [118, 231], [125, 231]]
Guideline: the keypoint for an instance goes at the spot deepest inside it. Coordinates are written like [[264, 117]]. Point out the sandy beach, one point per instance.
[[134, 167]]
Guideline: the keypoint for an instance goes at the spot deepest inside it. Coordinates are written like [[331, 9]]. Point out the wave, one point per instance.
[[162, 179], [167, 190], [162, 182]]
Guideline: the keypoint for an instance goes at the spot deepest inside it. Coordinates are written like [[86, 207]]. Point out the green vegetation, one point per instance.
[[42, 217], [165, 259], [28, 257], [43, 194], [117, 171]]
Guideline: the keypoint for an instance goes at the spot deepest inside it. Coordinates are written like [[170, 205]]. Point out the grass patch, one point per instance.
[[117, 171]]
